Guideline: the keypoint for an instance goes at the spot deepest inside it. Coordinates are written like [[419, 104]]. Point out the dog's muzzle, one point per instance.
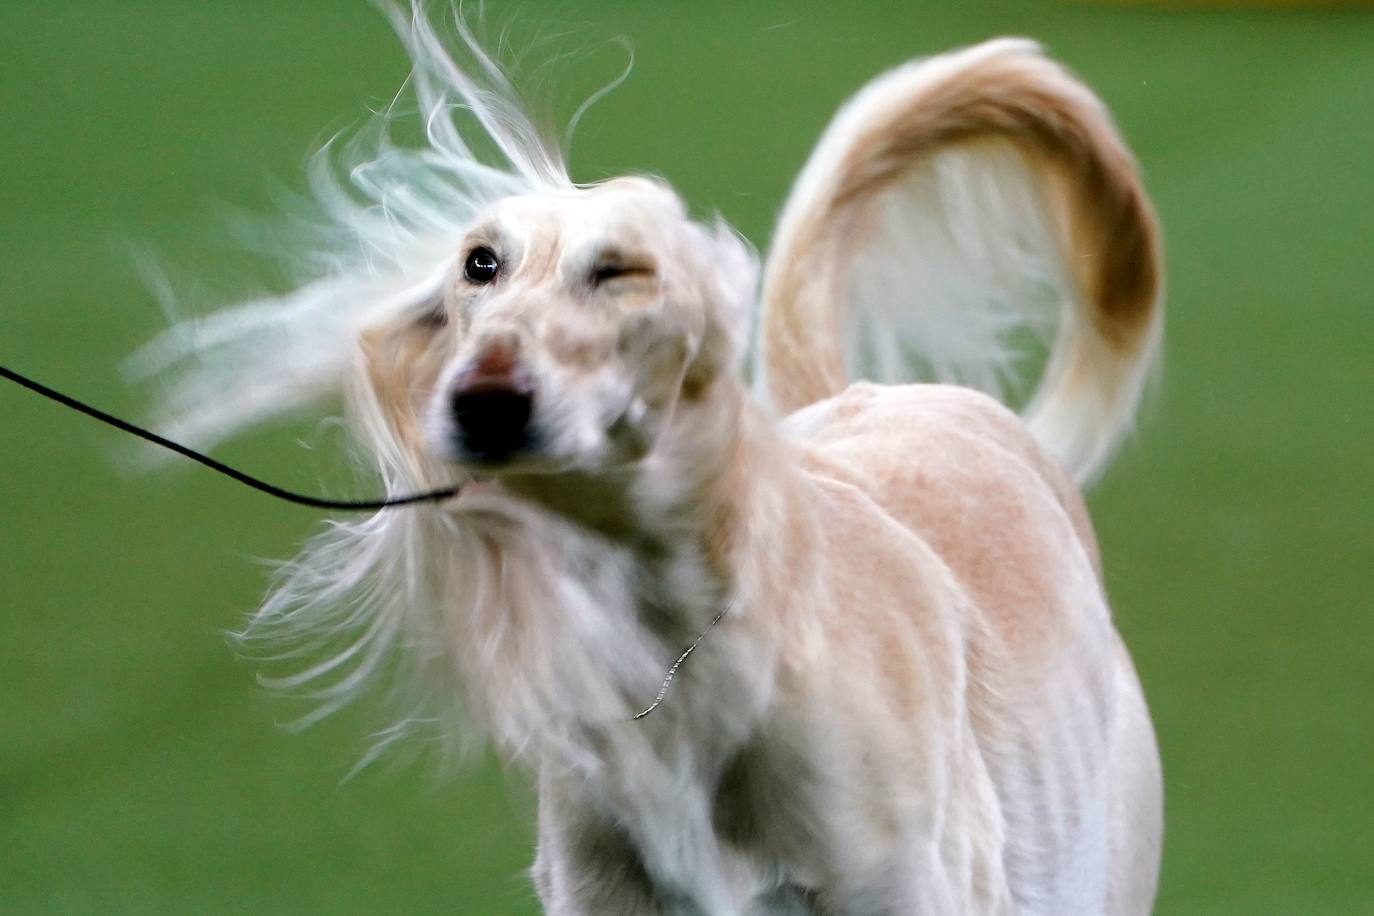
[[492, 403], [492, 418]]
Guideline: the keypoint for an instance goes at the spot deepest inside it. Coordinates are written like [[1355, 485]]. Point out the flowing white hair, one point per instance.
[[390, 218], [370, 594]]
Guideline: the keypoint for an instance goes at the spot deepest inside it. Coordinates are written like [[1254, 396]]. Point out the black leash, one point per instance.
[[348, 505]]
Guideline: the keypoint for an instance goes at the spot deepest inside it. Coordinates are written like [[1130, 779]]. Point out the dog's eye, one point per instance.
[[481, 266], [620, 270]]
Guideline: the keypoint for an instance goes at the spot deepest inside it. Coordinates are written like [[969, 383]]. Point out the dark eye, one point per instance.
[[481, 266], [619, 270]]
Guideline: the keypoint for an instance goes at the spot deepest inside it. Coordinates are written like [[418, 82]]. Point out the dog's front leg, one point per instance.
[[587, 866], [589, 873]]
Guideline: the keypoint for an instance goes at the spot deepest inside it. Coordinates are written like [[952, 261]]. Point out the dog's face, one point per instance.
[[571, 328]]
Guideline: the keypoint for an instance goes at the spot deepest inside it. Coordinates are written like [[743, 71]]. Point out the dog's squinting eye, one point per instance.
[[617, 270], [481, 266]]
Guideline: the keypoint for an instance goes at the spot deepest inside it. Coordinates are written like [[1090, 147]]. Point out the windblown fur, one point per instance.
[[916, 701], [369, 594]]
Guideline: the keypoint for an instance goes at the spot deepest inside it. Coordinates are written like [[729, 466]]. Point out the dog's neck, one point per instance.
[[607, 578], [678, 501], [604, 581]]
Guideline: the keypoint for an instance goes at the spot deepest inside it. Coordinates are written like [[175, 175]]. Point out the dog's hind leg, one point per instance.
[[1135, 808]]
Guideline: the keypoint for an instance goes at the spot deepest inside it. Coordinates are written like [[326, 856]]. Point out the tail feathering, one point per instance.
[[954, 206]]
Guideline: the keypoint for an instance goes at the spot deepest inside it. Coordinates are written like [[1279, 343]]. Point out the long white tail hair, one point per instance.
[[955, 207]]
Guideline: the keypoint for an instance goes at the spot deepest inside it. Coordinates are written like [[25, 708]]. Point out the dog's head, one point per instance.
[[571, 327]]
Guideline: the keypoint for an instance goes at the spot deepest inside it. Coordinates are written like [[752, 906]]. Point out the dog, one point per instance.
[[904, 692]]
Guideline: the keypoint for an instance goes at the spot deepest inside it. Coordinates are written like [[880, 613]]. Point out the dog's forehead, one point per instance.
[[632, 208]]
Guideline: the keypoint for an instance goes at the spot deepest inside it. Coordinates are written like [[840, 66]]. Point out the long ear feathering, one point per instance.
[[384, 240], [375, 597], [953, 208]]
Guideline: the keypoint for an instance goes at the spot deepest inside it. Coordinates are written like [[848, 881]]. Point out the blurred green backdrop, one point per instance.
[[142, 771]]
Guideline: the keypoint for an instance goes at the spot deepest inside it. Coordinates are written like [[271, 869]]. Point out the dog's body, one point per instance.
[[921, 707], [915, 701]]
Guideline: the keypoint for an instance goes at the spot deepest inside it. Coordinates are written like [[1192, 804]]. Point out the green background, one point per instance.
[[141, 769]]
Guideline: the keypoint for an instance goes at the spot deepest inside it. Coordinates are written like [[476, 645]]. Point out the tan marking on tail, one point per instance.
[[1002, 90]]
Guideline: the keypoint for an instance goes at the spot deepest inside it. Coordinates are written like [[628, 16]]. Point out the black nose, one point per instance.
[[493, 419]]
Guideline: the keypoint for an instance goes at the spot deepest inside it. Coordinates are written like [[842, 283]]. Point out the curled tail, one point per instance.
[[952, 207]]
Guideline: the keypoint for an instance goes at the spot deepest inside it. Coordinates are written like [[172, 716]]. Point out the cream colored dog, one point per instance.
[[915, 701]]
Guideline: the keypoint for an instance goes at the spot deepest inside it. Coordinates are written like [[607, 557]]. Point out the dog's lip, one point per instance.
[[531, 461], [483, 486]]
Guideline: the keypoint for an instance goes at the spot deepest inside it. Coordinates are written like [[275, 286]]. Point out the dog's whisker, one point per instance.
[[672, 672]]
